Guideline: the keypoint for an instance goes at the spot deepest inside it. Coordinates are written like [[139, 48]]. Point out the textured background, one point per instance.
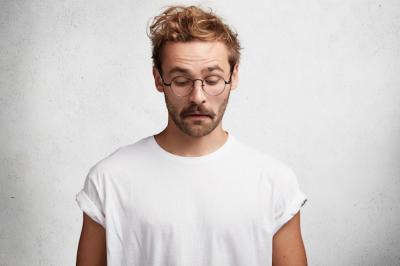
[[319, 89]]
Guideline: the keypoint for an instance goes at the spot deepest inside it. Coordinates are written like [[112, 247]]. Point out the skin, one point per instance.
[[192, 137], [185, 136], [92, 244], [288, 247]]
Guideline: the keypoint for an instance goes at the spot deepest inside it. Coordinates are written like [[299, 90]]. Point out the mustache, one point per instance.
[[197, 109]]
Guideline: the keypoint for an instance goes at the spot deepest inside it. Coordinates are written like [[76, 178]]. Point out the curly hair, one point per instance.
[[186, 23]]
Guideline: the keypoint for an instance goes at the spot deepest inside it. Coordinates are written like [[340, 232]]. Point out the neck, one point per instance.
[[179, 143]]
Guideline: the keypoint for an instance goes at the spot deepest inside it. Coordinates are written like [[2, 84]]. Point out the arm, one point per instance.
[[92, 244], [288, 247]]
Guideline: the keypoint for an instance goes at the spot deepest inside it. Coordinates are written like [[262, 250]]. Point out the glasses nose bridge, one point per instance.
[[194, 82]]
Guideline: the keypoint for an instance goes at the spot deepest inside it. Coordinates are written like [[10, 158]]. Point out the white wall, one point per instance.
[[319, 89]]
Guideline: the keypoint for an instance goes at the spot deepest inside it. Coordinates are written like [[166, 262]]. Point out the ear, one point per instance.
[[157, 80], [235, 77]]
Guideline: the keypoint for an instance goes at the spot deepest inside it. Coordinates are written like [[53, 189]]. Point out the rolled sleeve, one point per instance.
[[91, 197], [87, 206], [293, 206], [288, 198]]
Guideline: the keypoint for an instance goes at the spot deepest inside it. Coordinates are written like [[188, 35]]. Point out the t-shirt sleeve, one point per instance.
[[288, 198], [91, 197]]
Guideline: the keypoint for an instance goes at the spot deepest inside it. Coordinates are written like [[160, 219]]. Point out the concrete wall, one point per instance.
[[319, 89]]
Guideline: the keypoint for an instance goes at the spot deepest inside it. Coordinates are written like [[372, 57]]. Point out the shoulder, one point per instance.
[[121, 158], [269, 162], [274, 170]]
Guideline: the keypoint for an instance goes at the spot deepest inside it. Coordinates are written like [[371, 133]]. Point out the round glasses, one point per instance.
[[213, 85]]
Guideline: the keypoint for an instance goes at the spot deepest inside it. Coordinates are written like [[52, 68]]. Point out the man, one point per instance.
[[192, 194]]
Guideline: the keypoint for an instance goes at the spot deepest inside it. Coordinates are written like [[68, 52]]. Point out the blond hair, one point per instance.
[[183, 24]]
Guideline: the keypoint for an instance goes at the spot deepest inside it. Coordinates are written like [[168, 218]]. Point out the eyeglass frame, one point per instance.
[[193, 80]]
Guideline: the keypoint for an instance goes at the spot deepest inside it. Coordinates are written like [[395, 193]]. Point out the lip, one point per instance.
[[197, 116]]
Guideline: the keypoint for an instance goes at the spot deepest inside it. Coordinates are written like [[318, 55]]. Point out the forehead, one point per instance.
[[195, 55]]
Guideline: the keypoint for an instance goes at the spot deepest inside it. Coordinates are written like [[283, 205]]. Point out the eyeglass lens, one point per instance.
[[212, 85]]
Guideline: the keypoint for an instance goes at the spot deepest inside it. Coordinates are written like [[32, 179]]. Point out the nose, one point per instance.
[[197, 94]]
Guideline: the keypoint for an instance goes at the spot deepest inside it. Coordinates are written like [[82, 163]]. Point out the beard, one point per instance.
[[196, 128]]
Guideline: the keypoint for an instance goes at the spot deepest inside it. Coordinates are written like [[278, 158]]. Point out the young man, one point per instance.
[[192, 194]]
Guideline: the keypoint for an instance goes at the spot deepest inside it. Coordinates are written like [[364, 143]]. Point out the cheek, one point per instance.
[[223, 103], [175, 104], [217, 105], [222, 99]]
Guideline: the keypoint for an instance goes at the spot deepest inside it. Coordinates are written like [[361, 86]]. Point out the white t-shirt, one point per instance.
[[220, 209]]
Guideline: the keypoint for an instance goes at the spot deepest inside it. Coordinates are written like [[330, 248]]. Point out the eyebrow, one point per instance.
[[186, 71]]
